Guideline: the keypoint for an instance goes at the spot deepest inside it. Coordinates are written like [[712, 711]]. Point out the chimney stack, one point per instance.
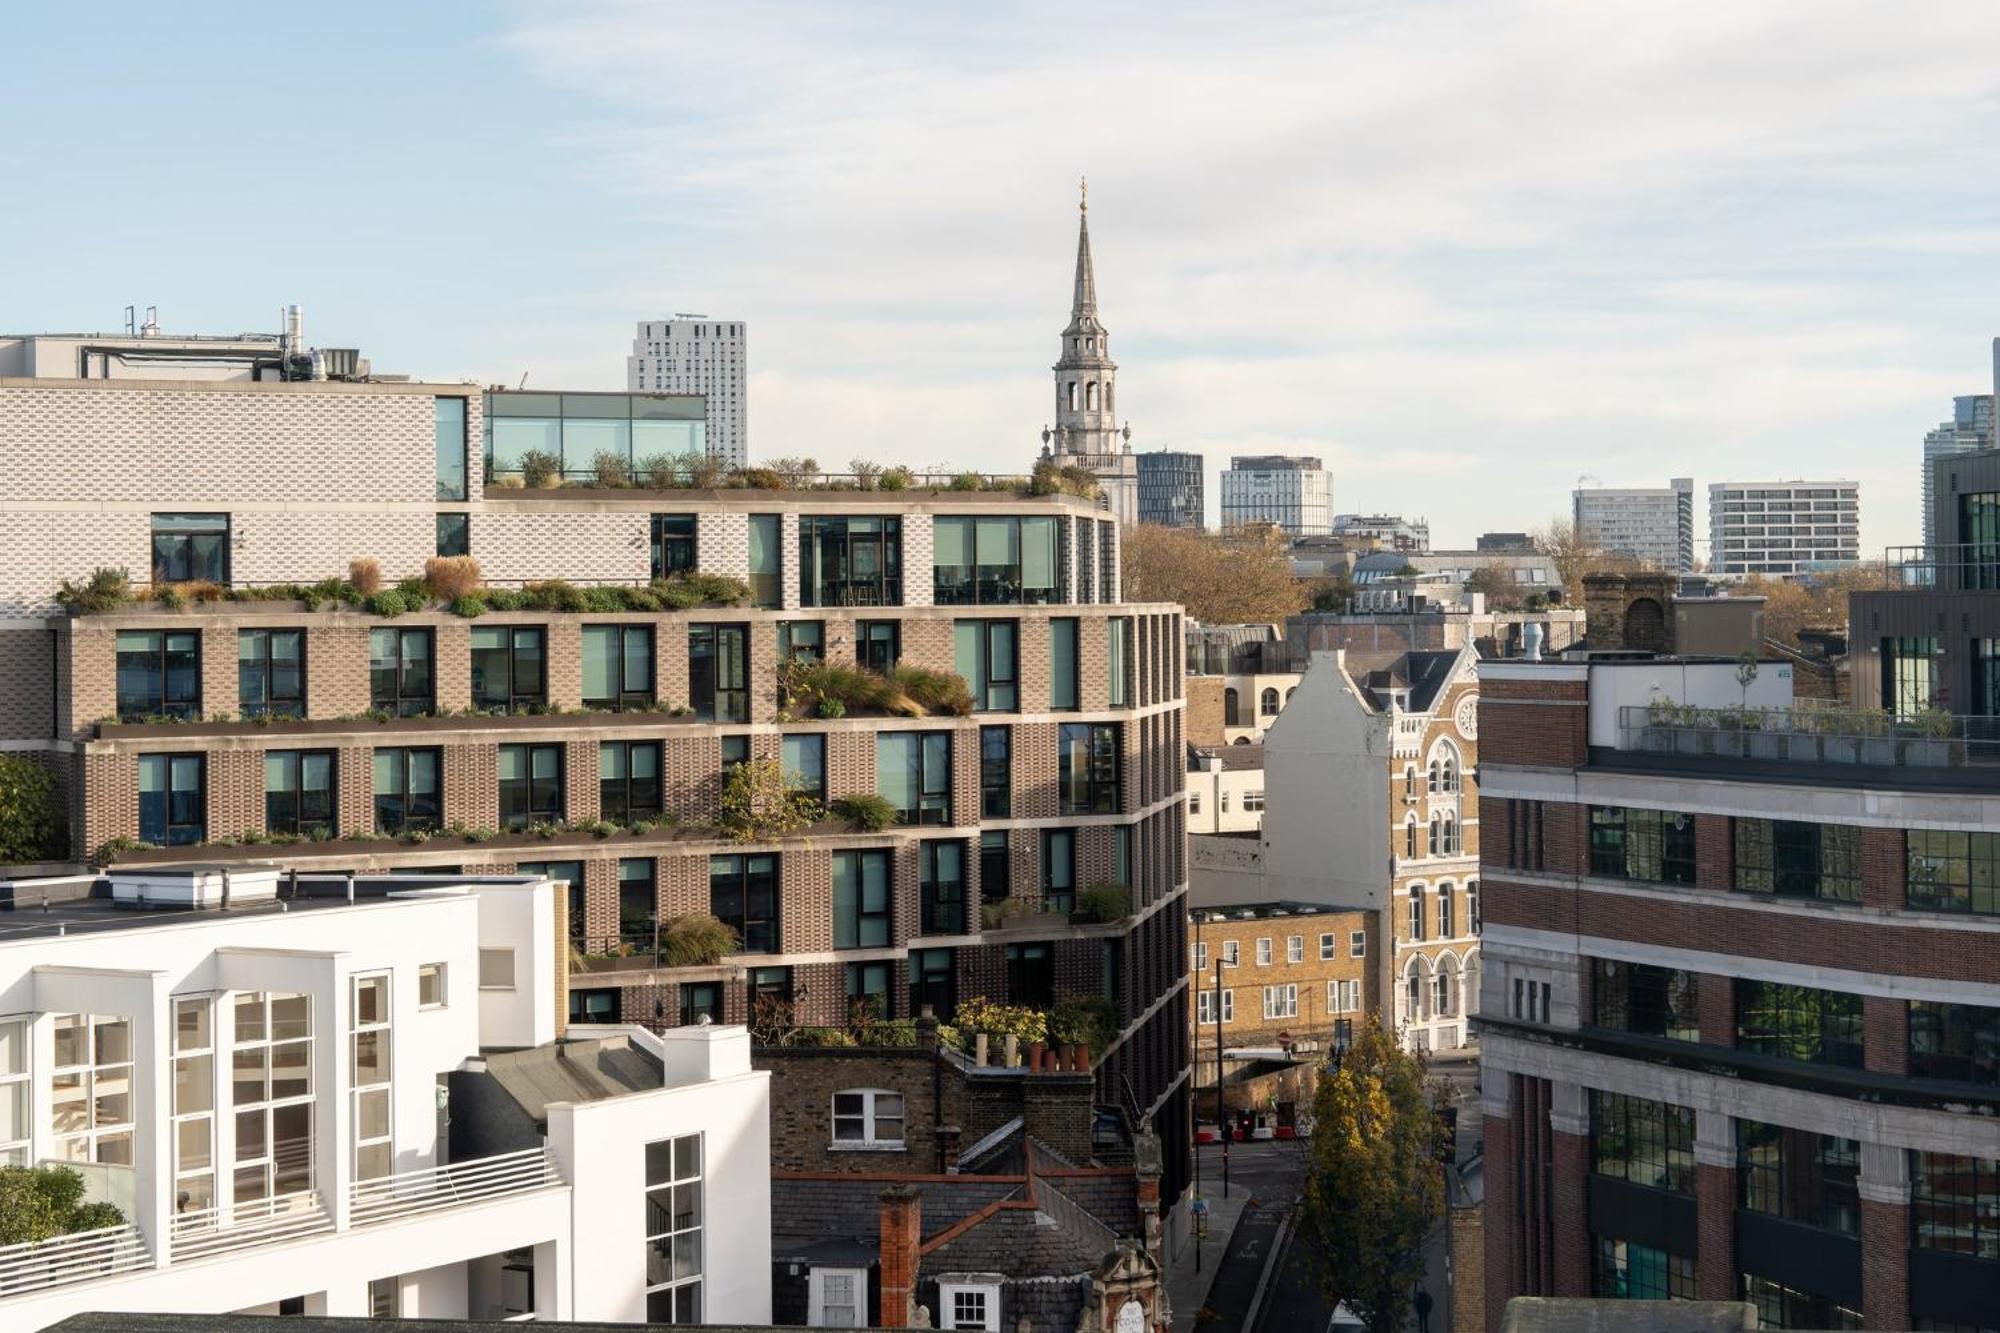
[[902, 1234]]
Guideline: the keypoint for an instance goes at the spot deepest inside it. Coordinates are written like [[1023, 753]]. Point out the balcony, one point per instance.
[[1964, 567], [60, 1260], [1851, 738]]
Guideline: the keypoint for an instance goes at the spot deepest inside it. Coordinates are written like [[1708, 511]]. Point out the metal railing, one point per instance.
[[406, 1193], [81, 1257], [1811, 735], [209, 1231], [1960, 567]]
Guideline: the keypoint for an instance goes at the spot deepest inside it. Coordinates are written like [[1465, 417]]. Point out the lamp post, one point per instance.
[[1194, 1146], [1221, 1114]]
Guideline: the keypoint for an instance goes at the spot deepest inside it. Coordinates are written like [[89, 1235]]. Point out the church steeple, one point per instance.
[[1086, 432], [1083, 309]]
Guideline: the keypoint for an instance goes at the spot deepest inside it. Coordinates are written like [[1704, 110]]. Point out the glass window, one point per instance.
[[570, 875], [400, 678], [804, 759], [673, 544], [719, 672], [1063, 652], [190, 547], [1357, 944], [271, 672], [1122, 658], [913, 773], [850, 561], [496, 969], [701, 1003], [766, 560], [985, 655], [1798, 1022], [932, 984], [531, 785], [408, 790], [735, 750], [617, 666], [1986, 673], [675, 1218], [1646, 1142], [801, 641], [508, 674], [870, 1117], [993, 561], [90, 1114], [861, 900], [743, 895], [628, 780], [1031, 975], [1637, 997], [1960, 1042], [1622, 1270], [878, 644], [1059, 871], [996, 772], [173, 799], [1954, 871], [638, 899], [1799, 1175], [1779, 1306], [454, 534], [450, 449], [1955, 1203], [193, 1106], [868, 997], [159, 674], [1798, 860], [271, 1097], [1087, 768], [1655, 846], [994, 874], [298, 793], [431, 993], [368, 1038], [1910, 668]]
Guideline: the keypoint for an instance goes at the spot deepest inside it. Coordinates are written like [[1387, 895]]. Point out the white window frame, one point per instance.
[[1295, 948], [1263, 951], [96, 1134], [494, 956], [816, 1296], [1232, 953], [1281, 1001], [16, 1077], [270, 1104], [439, 975], [698, 1278], [1200, 957], [1194, 801], [380, 1093], [873, 1119], [1253, 801], [1357, 944], [1228, 1006], [1326, 946], [947, 1305], [193, 1128]]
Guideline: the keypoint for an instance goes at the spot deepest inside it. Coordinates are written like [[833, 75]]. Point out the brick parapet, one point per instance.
[[1885, 1024], [1715, 1232]]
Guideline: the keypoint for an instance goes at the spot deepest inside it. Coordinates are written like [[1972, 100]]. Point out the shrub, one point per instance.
[[1088, 1019], [934, 691], [695, 940], [170, 596], [822, 685], [105, 590], [510, 482], [894, 479], [998, 1022], [866, 811], [797, 473], [691, 588], [30, 819], [866, 474], [832, 708], [389, 604], [1046, 479], [365, 575], [450, 577], [39, 1202], [816, 1036], [1079, 481], [1102, 903], [612, 471], [759, 479], [541, 470], [996, 914], [968, 481], [660, 472], [552, 595], [704, 470], [757, 805]]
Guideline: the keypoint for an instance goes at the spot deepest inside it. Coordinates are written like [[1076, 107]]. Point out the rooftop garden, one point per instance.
[[541, 470]]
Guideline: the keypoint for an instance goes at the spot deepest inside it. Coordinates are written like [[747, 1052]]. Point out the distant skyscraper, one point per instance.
[[1170, 489], [1650, 524], [1782, 528], [1086, 432], [696, 354], [1294, 492], [1969, 430]]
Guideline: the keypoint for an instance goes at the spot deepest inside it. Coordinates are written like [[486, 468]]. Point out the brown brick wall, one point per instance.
[[806, 921], [1885, 1265], [235, 792], [472, 785], [581, 792], [1715, 1008], [354, 789], [1035, 665], [1565, 838], [565, 662], [112, 807], [1035, 771], [1885, 868], [1715, 1222], [218, 670], [1714, 852], [1552, 731], [1885, 1025], [1570, 1216], [453, 646], [337, 680], [928, 643], [27, 666], [1501, 1268], [850, 764]]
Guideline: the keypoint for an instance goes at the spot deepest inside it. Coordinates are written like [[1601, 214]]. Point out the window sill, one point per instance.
[[867, 1147]]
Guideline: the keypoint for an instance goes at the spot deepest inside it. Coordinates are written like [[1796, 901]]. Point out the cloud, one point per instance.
[[1494, 245]]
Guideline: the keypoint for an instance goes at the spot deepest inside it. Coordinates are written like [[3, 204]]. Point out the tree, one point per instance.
[[1235, 578], [1502, 593], [1374, 1189], [30, 828], [37, 1202], [1812, 600], [1574, 556]]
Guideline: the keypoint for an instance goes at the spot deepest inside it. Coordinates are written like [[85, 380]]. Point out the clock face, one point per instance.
[[1467, 716]]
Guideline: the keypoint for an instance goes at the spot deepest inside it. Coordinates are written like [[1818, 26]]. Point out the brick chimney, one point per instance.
[[902, 1233]]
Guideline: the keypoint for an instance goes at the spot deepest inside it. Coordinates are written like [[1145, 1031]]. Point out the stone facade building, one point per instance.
[[593, 746], [1087, 433]]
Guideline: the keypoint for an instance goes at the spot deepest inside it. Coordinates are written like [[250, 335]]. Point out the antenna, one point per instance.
[[524, 379]]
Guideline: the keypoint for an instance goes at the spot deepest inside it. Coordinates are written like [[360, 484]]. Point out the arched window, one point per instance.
[[1416, 911], [1410, 838], [1267, 703], [1433, 787], [1441, 989], [1072, 395], [1410, 782], [1437, 822], [868, 1116], [1414, 989], [1445, 923], [1450, 774], [1107, 395], [1472, 907], [1229, 709], [1090, 395], [1450, 836], [1471, 986], [1444, 767]]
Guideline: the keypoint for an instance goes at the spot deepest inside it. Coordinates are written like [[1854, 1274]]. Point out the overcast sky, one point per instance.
[[1468, 253]]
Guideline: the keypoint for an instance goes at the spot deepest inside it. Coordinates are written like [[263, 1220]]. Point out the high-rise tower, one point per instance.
[[1086, 432]]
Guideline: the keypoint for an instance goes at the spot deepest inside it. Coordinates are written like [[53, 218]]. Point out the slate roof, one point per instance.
[[573, 1071], [1423, 673], [810, 1212]]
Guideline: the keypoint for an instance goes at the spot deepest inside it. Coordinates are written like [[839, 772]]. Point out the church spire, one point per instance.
[[1083, 309]]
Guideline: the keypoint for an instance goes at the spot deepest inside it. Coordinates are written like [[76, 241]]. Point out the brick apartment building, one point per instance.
[[1293, 975], [1741, 1005], [535, 740]]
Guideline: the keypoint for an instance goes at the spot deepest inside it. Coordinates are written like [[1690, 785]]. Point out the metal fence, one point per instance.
[[1811, 735]]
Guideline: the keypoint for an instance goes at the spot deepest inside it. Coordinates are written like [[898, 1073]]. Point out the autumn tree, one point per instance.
[[1233, 578], [1502, 593], [1811, 600], [1575, 555], [1375, 1186]]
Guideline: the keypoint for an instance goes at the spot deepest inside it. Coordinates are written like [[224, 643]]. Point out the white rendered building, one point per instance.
[[1782, 528], [1654, 525], [312, 1099], [696, 354], [1295, 493]]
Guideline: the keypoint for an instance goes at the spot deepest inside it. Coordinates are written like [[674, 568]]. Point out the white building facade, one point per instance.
[[261, 1078], [1782, 528], [1653, 525], [696, 354], [1293, 492]]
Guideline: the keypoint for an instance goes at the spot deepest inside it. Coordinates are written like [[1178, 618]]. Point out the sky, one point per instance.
[[1466, 253]]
